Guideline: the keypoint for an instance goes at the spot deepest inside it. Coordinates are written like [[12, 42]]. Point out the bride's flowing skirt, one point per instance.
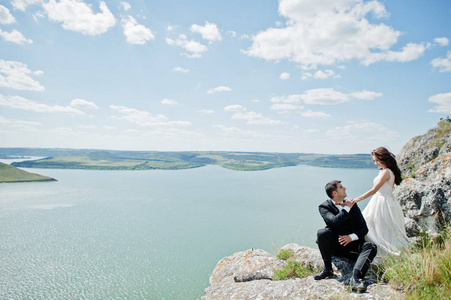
[[385, 221]]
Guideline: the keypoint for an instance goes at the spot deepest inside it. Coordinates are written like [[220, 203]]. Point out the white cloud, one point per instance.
[[23, 4], [251, 117], [443, 102], [285, 104], [25, 104], [254, 118], [19, 124], [315, 114], [235, 108], [195, 48], [126, 6], [78, 16], [306, 75], [284, 107], [146, 119], [237, 132], [181, 70], [285, 76], [220, 88], [311, 130], [136, 34], [320, 75], [16, 75], [287, 99], [325, 75], [443, 41], [15, 37], [206, 111], [444, 64], [209, 32], [83, 104], [231, 33], [366, 95], [169, 102], [408, 53], [324, 96], [362, 132], [5, 16], [328, 32]]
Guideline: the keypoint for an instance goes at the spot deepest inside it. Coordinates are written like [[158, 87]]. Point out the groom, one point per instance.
[[344, 235]]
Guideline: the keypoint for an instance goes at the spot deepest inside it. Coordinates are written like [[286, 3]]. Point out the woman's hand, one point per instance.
[[349, 203]]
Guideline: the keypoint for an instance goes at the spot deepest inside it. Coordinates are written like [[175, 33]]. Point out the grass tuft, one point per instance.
[[443, 129], [285, 254], [293, 268], [425, 270]]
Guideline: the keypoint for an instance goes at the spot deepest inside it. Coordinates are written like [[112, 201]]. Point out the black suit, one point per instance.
[[340, 222]]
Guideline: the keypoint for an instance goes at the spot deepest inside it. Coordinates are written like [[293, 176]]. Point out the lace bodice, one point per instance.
[[387, 189]]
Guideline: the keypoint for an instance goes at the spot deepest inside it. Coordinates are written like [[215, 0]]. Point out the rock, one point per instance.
[[248, 275], [426, 193], [421, 150], [426, 199], [426, 202]]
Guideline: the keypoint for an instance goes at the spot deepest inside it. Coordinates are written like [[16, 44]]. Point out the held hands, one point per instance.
[[344, 240], [349, 203]]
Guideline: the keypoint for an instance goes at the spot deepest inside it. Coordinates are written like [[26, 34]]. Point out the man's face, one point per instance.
[[341, 192]]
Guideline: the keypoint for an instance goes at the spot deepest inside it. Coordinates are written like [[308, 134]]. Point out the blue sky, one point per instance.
[[323, 76]]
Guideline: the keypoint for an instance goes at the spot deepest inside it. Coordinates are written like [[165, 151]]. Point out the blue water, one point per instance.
[[152, 234]]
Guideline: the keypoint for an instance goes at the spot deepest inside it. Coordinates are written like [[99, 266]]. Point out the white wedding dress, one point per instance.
[[385, 221]]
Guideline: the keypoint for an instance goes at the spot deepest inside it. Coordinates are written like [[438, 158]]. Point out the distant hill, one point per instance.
[[344, 161], [148, 160], [12, 174]]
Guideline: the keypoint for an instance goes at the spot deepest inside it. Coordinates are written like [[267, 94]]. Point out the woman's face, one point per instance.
[[380, 164]]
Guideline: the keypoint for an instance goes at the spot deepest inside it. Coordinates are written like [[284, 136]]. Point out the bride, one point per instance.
[[383, 214]]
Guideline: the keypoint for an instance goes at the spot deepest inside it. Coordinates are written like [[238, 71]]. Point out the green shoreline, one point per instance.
[[11, 174], [37, 180], [153, 160]]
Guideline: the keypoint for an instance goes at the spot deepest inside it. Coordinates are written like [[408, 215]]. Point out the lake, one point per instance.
[[152, 234]]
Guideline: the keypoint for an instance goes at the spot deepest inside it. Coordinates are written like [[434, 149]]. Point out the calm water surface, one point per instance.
[[151, 234]]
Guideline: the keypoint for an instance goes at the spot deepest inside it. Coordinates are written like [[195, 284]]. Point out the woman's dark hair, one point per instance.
[[389, 160]]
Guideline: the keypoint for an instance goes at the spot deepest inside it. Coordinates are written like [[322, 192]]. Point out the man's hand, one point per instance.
[[349, 203], [344, 240]]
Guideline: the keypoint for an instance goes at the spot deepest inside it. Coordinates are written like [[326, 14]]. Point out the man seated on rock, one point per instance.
[[344, 235]]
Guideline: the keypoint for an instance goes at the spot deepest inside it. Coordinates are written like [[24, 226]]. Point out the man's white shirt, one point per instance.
[[353, 236]]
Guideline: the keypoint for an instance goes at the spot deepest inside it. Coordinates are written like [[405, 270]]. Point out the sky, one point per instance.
[[303, 76]]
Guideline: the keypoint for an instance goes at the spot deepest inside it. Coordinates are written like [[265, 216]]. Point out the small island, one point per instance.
[[12, 174]]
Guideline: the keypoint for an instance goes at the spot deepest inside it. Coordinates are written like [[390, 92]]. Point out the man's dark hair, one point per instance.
[[331, 187]]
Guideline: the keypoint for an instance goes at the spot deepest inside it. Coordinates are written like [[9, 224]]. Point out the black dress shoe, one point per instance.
[[323, 274], [357, 285]]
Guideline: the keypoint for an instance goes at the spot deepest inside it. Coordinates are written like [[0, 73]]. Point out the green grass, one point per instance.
[[12, 174], [423, 272], [443, 129], [284, 254], [292, 268]]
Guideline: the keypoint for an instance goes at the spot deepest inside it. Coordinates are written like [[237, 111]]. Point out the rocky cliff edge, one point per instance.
[[425, 196], [425, 193], [248, 275]]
